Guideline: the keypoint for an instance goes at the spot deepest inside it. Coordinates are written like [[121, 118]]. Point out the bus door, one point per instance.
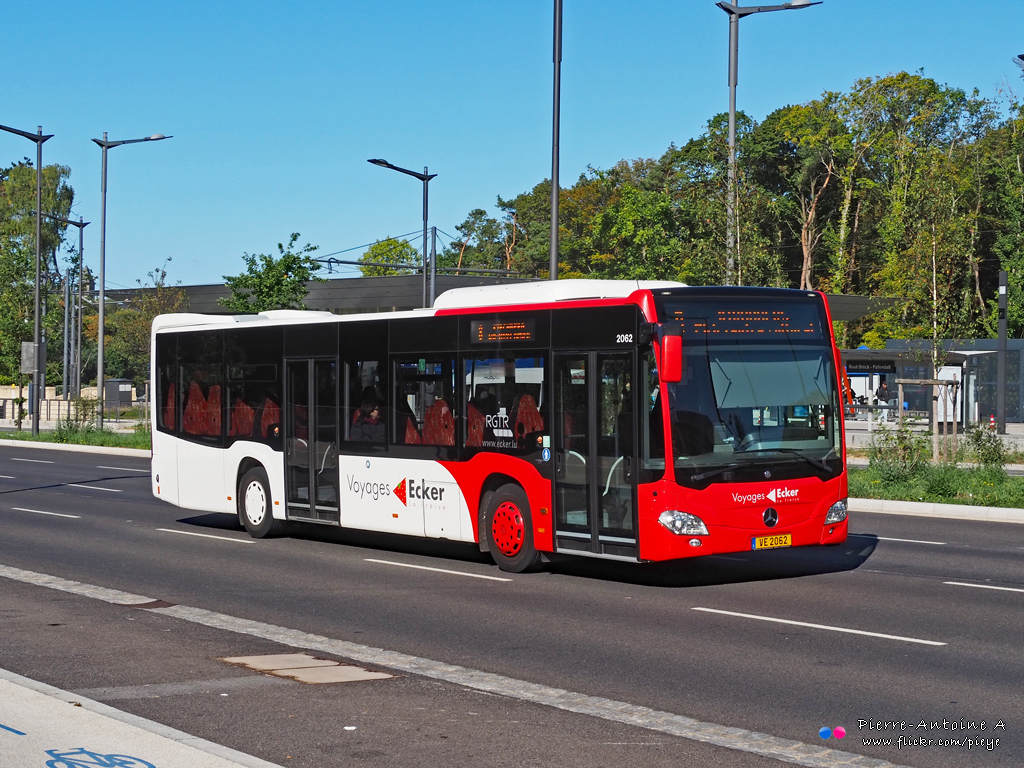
[[311, 434], [595, 456]]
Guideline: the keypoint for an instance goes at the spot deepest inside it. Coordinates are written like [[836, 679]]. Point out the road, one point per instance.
[[912, 621]]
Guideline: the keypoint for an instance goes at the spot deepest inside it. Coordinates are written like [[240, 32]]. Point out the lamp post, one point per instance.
[[105, 145], [425, 178], [736, 13], [76, 365], [39, 365], [553, 256]]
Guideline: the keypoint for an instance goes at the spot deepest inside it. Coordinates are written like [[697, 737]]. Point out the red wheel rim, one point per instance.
[[508, 529]]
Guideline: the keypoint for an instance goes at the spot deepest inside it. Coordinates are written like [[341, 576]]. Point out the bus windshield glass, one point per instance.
[[758, 392]]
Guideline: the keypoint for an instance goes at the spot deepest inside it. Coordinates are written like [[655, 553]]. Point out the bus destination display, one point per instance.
[[701, 321], [496, 331]]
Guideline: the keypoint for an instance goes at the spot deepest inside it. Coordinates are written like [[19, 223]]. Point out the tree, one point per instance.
[[17, 255], [389, 251], [128, 329], [273, 283]]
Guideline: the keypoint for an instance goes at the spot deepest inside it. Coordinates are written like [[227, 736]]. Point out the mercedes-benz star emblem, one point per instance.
[[771, 517]]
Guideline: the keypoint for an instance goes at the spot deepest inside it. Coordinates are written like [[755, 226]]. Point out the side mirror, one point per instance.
[[671, 359]]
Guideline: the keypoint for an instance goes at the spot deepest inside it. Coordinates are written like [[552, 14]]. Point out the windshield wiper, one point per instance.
[[819, 464]]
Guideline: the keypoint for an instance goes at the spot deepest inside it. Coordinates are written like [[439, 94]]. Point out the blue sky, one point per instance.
[[275, 107]]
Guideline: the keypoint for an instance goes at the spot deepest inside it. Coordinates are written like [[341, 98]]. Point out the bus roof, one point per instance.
[[545, 292]]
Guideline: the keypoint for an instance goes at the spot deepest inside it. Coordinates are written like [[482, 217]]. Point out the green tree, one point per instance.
[[17, 258], [389, 251], [273, 282], [126, 345]]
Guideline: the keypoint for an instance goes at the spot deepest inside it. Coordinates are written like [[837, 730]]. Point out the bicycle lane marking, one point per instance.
[[740, 739], [52, 725]]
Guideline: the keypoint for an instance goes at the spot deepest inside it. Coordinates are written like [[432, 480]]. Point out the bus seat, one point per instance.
[[412, 435], [213, 411], [271, 416], [169, 409], [194, 412], [242, 417], [526, 417], [439, 425], [474, 426]]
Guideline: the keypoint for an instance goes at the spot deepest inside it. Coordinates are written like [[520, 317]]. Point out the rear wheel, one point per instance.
[[255, 506], [510, 531]]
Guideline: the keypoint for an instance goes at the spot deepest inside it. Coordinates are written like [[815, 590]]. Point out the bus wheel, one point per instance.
[[255, 506], [509, 530]]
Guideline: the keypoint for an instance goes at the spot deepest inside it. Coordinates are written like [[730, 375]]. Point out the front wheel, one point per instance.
[[255, 506], [509, 530]]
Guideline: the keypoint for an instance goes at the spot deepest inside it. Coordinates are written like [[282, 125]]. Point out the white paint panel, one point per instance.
[[164, 465], [201, 478]]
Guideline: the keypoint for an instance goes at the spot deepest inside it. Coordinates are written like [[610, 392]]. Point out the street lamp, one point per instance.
[[105, 145], [76, 384], [555, 130], [735, 14], [425, 178], [39, 365]]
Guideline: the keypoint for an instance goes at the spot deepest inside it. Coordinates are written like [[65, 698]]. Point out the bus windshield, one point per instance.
[[758, 393]]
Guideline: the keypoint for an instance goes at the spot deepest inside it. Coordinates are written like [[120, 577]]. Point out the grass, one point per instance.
[[942, 483], [84, 435]]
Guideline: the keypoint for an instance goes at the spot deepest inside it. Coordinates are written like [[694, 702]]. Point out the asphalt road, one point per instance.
[[912, 620]]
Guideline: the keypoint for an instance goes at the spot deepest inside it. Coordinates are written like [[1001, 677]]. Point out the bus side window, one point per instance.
[[424, 402]]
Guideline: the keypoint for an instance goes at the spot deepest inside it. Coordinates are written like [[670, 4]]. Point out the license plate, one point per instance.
[[772, 542]]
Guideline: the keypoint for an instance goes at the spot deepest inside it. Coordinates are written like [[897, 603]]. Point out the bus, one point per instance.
[[634, 421]]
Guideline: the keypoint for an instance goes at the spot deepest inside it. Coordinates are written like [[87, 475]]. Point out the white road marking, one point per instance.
[[7, 477], [207, 536], [95, 488], [787, 750], [884, 538], [820, 626], [982, 586], [33, 461], [41, 512], [436, 570], [125, 469]]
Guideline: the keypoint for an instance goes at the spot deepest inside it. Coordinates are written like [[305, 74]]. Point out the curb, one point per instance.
[[137, 452], [948, 511]]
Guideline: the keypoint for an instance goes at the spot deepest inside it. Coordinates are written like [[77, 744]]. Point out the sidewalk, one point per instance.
[[40, 723]]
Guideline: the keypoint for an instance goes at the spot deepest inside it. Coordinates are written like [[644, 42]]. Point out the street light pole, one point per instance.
[[76, 332], [425, 177], [39, 366], [105, 145], [735, 14], [555, 130]]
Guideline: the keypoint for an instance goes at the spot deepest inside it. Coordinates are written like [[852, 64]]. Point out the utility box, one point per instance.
[[117, 393]]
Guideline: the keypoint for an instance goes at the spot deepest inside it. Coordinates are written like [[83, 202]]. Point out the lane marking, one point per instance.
[[125, 469], [435, 570], [7, 477], [813, 755], [207, 536], [95, 487], [33, 461], [821, 626], [8, 728], [41, 512], [982, 586], [885, 538]]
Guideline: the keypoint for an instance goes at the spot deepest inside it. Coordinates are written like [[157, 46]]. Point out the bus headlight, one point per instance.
[[683, 523], [836, 513]]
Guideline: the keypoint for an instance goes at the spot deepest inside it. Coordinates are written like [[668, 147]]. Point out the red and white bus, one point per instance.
[[637, 421]]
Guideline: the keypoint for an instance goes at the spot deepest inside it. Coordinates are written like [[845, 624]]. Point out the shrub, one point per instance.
[[897, 454], [985, 447]]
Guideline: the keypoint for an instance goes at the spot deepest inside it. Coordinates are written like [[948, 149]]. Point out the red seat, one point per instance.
[[439, 425], [526, 417], [474, 426]]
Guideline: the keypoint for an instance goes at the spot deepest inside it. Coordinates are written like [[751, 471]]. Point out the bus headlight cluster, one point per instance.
[[683, 523], [836, 513]]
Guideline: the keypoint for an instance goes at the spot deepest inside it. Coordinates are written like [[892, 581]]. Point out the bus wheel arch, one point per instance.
[[508, 529], [255, 503]]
